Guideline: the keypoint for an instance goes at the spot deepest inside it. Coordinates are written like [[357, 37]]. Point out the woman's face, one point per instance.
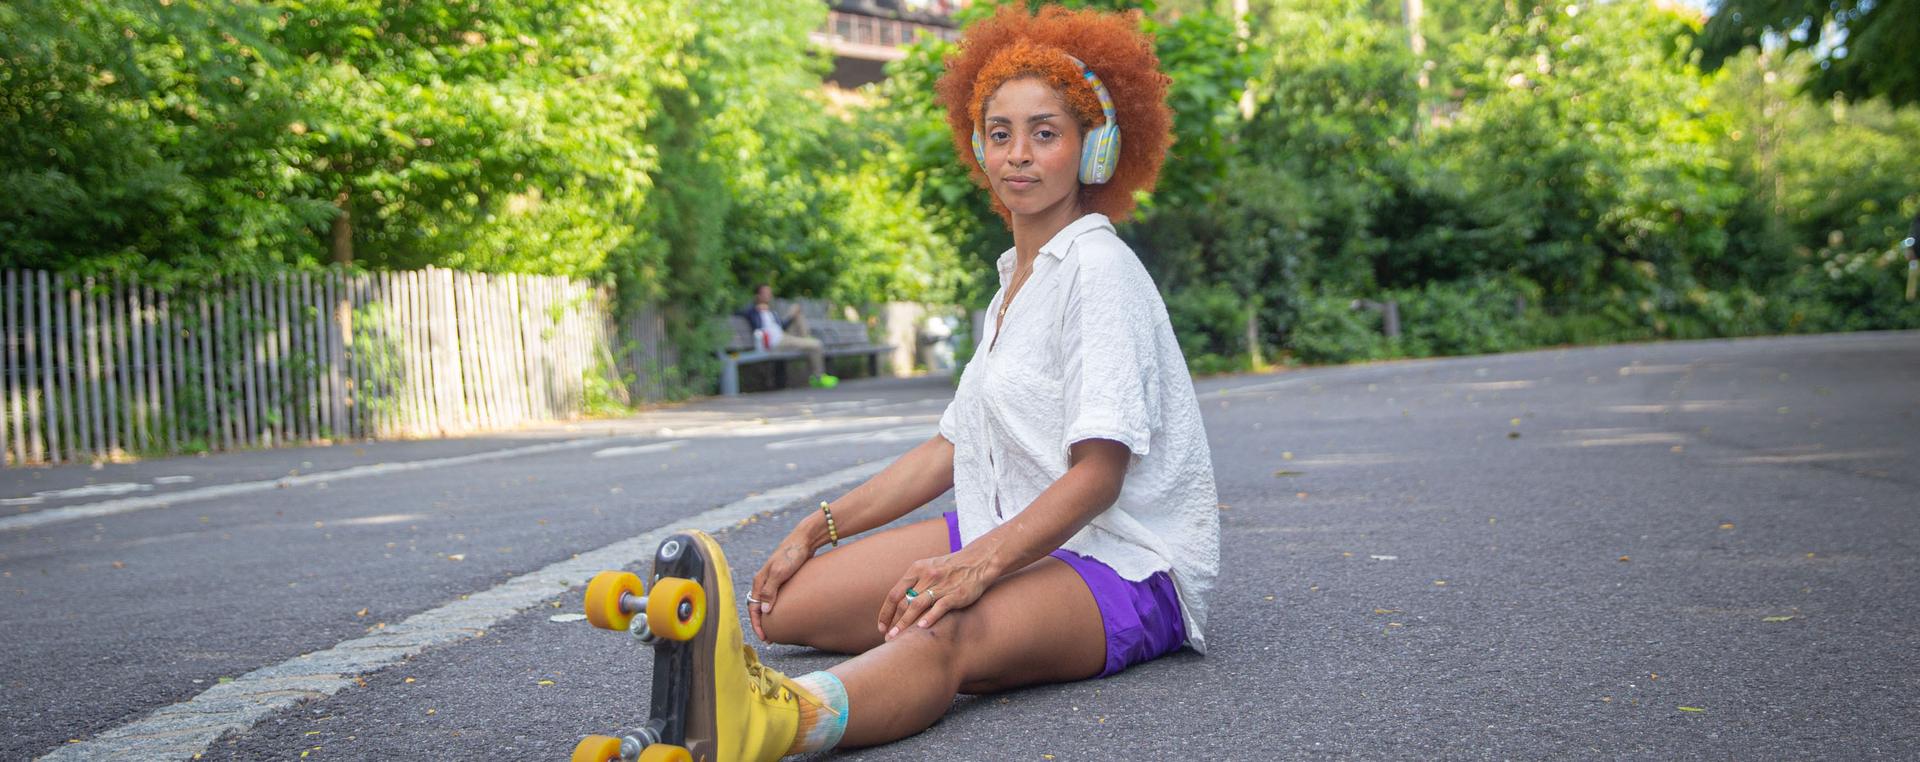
[[1033, 147]]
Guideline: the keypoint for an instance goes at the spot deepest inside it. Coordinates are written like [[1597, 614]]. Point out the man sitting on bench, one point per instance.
[[788, 334]]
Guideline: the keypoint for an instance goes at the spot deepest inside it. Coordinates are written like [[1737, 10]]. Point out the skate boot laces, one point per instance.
[[773, 685]]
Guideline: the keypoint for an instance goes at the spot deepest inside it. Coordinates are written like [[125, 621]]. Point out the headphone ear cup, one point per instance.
[[1100, 154], [979, 151]]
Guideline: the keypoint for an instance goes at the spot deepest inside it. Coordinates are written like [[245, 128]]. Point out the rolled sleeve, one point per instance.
[[950, 421], [1109, 363]]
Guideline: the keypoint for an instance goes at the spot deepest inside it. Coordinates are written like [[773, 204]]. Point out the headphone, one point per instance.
[[1100, 154]]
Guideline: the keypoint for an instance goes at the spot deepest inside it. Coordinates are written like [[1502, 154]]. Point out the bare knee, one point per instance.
[[795, 626], [958, 643], [787, 626], [947, 644], [775, 627]]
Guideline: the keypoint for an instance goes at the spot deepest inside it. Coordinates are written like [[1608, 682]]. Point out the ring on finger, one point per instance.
[[912, 594], [931, 595], [751, 599]]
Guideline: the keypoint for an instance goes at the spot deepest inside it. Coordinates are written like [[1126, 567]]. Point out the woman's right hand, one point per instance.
[[780, 566]]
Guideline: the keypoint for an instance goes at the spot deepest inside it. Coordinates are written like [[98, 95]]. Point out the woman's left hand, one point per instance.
[[940, 584]]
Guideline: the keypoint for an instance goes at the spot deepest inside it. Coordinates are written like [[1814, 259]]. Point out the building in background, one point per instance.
[[865, 34]]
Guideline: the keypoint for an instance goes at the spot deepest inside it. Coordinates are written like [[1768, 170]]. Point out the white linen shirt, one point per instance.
[[1087, 352]]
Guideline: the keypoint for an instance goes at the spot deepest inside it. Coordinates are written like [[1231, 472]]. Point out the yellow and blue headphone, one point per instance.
[[1100, 154]]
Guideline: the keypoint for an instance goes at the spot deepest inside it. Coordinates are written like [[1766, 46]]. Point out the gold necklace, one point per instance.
[[1008, 301]]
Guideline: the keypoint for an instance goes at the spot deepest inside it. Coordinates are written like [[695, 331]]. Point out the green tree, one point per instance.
[[1862, 48], [145, 137]]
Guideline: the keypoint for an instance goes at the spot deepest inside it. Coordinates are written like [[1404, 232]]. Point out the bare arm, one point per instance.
[[1090, 485], [916, 478]]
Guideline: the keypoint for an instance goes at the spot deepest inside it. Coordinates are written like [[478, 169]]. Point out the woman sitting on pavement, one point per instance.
[[1087, 532]]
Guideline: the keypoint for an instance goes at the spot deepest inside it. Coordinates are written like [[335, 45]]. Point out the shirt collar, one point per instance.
[[1062, 241]]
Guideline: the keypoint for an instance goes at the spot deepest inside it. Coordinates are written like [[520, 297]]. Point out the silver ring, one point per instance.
[[751, 599]]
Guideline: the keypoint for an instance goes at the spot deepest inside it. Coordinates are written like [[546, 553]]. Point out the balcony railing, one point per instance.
[[878, 39]]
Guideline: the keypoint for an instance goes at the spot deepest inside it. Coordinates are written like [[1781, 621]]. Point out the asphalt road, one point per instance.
[[1684, 550]]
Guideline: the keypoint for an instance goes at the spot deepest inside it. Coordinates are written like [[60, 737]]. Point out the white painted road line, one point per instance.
[[189, 727], [896, 434], [640, 449], [128, 505]]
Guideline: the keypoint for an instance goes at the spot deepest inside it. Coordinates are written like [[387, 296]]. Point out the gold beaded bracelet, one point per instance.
[[833, 533]]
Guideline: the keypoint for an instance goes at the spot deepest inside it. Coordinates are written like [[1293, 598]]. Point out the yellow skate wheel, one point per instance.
[[666, 752], [676, 609], [597, 749], [603, 599]]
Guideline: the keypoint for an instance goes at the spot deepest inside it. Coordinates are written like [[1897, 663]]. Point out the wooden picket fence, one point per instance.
[[100, 370]]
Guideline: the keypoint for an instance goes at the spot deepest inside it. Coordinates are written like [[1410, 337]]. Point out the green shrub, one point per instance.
[[1329, 330]]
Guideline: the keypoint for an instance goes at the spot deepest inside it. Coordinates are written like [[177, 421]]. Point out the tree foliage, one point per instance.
[[1570, 172], [1861, 48]]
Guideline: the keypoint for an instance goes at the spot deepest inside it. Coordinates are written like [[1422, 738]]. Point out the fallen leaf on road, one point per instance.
[[1439, 583], [119, 564], [544, 682], [433, 711], [1726, 525], [1513, 435], [457, 557], [362, 612], [1386, 611], [1285, 472], [1691, 709], [1286, 455], [1787, 618], [1625, 559]]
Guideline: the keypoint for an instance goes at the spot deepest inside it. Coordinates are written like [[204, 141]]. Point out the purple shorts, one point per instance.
[[1142, 619]]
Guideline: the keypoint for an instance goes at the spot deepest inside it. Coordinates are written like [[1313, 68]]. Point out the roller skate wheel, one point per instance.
[[604, 595], [676, 609], [597, 749], [666, 752]]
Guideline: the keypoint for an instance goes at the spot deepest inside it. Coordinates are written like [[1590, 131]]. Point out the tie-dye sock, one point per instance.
[[823, 714]]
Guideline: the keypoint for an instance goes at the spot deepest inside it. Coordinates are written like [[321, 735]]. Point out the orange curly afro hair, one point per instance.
[[1012, 44]]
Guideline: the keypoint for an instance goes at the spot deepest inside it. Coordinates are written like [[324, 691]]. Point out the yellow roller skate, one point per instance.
[[713, 700]]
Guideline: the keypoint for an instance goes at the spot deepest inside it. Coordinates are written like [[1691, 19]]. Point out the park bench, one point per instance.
[[842, 338]]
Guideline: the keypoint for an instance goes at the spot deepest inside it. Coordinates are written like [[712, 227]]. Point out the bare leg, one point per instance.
[[833, 601], [1039, 625]]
